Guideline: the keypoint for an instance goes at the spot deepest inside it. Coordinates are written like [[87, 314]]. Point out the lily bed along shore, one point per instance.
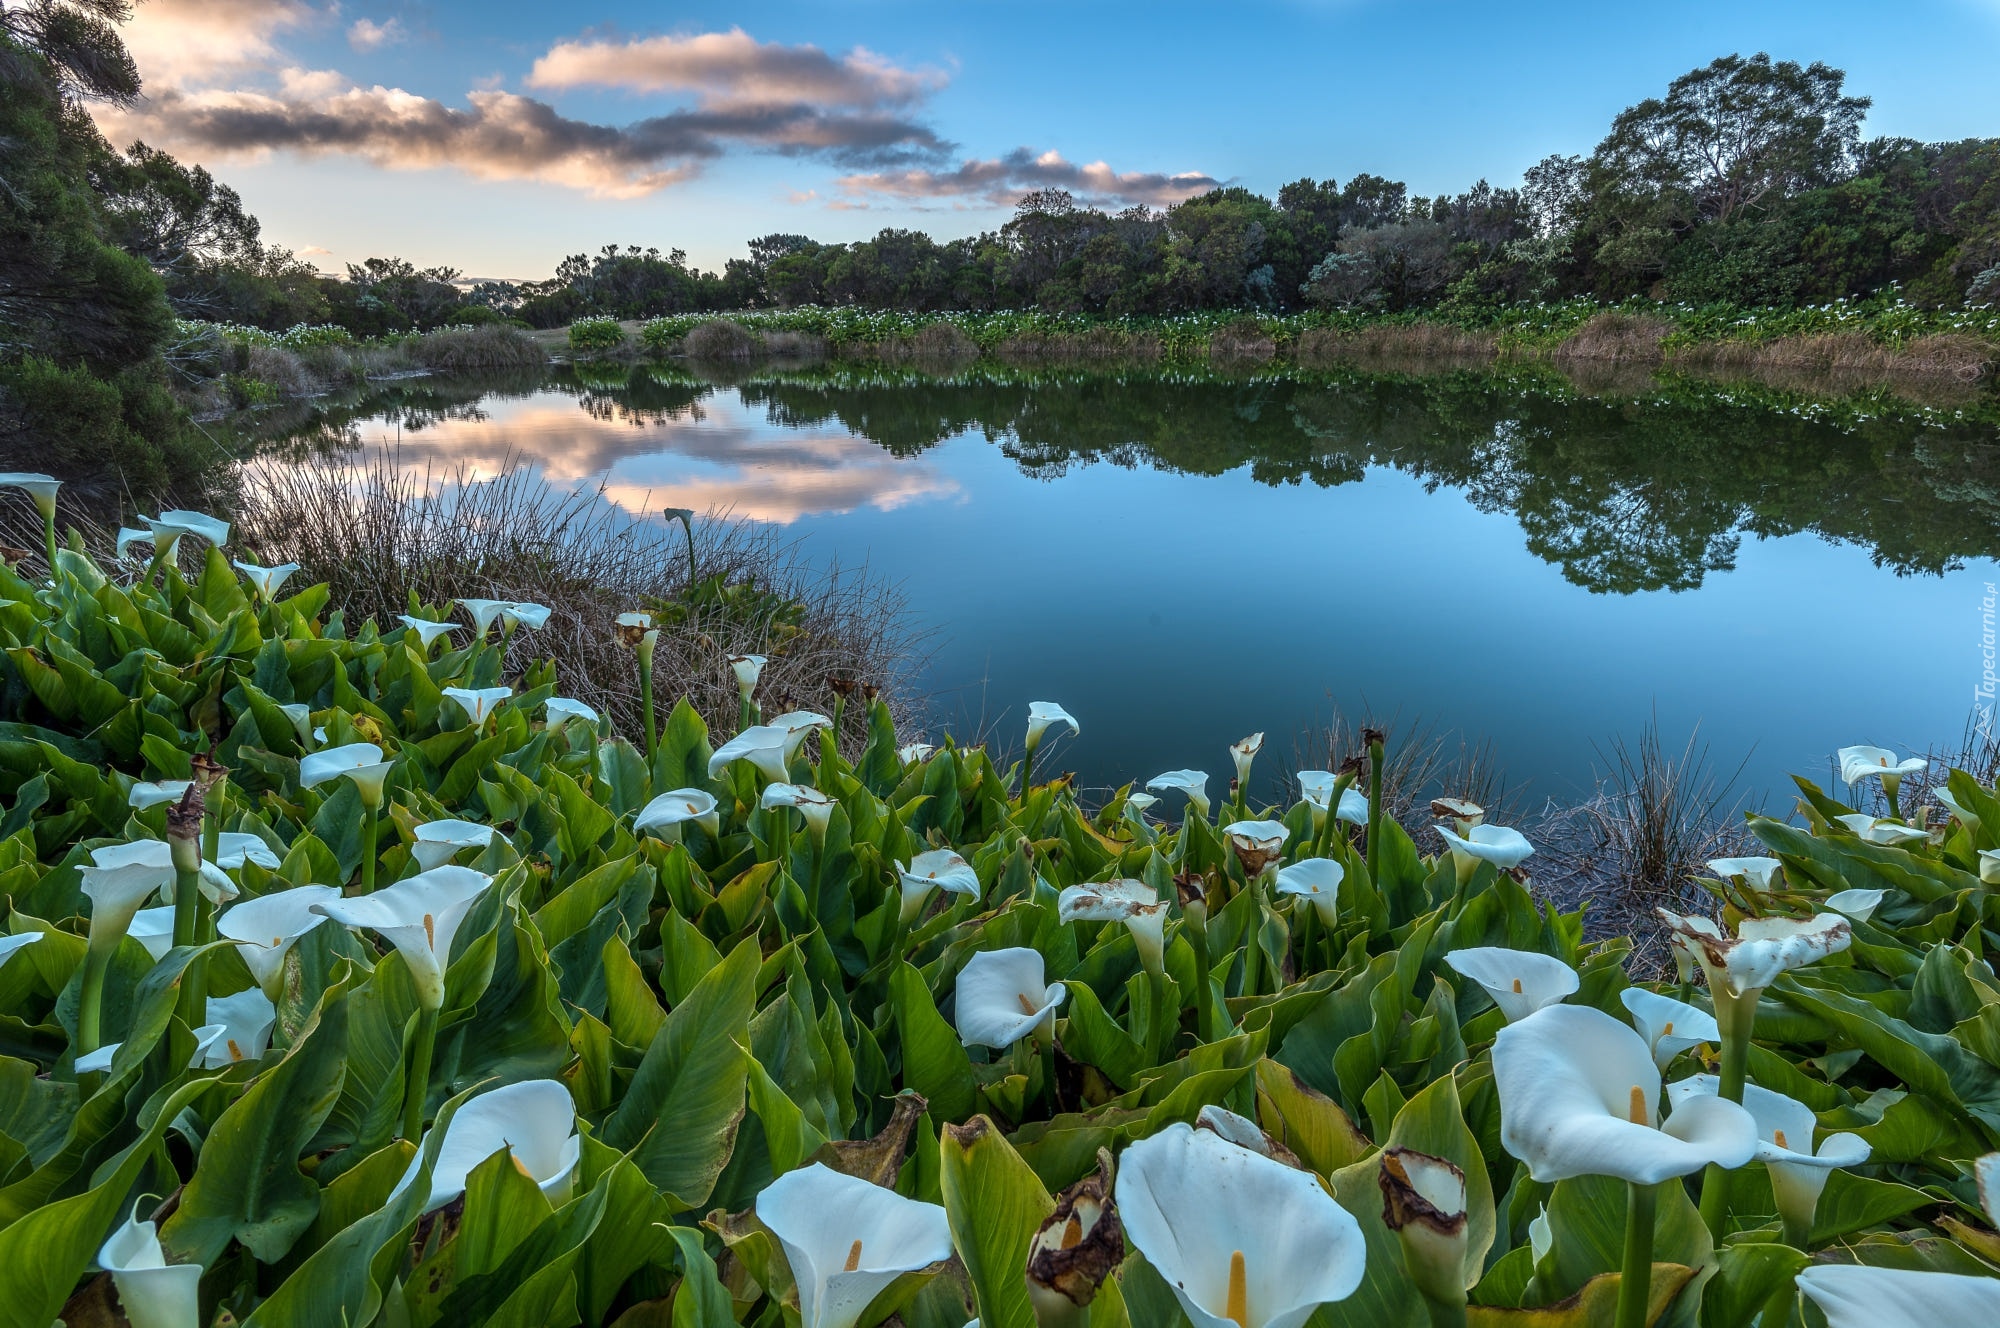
[[353, 972]]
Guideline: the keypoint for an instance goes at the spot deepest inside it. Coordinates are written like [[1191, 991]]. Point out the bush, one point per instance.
[[493, 346], [722, 339], [596, 335], [75, 423]]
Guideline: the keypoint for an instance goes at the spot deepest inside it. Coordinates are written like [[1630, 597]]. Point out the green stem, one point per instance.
[[1251, 961], [419, 1087], [1306, 920], [1635, 1286], [646, 705], [1027, 770], [1777, 1311], [1446, 1315], [370, 818], [49, 534], [1197, 934], [1734, 1017], [1374, 811], [90, 1000], [1047, 1045], [187, 906]]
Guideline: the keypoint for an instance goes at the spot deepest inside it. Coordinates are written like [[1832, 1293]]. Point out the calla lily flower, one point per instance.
[[265, 928], [147, 795], [1133, 903], [1989, 866], [1579, 1096], [1191, 782], [1519, 981], [847, 1240], [512, 613], [1258, 844], [164, 531], [1423, 1202], [562, 709], [911, 753], [1318, 881], [301, 716], [360, 761], [420, 916], [517, 613], [676, 808], [938, 869], [1138, 803], [1785, 1129], [154, 929], [479, 702], [797, 724], [1242, 753], [1986, 1176], [534, 1120], [762, 745], [266, 580], [1858, 1296], [1879, 830], [1757, 873], [428, 631], [748, 670], [122, 877], [41, 488], [153, 1293], [20, 940], [1968, 818], [1762, 948], [1042, 715], [814, 806], [1505, 848], [1859, 763], [246, 1019], [1316, 787], [1670, 1027], [233, 848], [1003, 997], [438, 842], [1857, 904], [96, 1062], [1243, 1132], [1462, 813], [1242, 1241], [633, 625]]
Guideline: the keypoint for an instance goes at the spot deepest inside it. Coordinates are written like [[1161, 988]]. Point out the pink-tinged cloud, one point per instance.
[[175, 41], [733, 68], [1000, 181], [368, 35]]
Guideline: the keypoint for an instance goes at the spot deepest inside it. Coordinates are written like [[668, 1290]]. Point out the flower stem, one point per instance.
[[1446, 1314], [419, 1087], [646, 703], [1250, 946], [1635, 1286], [1735, 1017], [1306, 920], [49, 534], [369, 819], [1027, 770], [90, 999], [1374, 809], [187, 906]]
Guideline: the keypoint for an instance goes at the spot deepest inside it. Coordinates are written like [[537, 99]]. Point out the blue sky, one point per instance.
[[499, 136]]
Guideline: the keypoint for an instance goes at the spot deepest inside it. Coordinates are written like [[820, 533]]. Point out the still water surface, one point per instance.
[[1181, 560]]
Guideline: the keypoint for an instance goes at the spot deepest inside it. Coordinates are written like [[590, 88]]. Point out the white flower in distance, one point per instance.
[[154, 929], [301, 716], [233, 848], [1194, 783], [11, 945], [1879, 830], [1579, 1096], [479, 702], [1043, 715], [1986, 1175], [1242, 753], [512, 613], [428, 631], [1139, 803], [359, 761], [678, 807], [937, 869], [749, 669], [534, 1120], [1857, 904], [246, 1019], [762, 745], [1133, 903], [154, 1293], [814, 806], [1243, 1241], [1519, 981], [420, 916], [1316, 880], [266, 580], [265, 929], [1669, 1027], [1858, 1296], [846, 1240], [1757, 873], [438, 842], [518, 613], [912, 753], [1761, 949], [1859, 763], [1505, 848], [1003, 997], [1785, 1127], [562, 709], [146, 795]]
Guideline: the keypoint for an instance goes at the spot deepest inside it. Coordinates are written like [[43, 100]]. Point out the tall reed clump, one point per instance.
[[383, 536]]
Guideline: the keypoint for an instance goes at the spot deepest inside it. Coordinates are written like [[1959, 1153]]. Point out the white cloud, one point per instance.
[[735, 69], [368, 35], [1002, 180]]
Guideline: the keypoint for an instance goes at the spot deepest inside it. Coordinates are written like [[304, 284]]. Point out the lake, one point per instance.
[[1184, 557]]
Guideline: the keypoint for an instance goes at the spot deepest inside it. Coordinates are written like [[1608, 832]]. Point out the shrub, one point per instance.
[[595, 335], [722, 339], [491, 346]]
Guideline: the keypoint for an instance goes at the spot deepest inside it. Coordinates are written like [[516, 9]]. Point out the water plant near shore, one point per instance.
[[642, 1051]]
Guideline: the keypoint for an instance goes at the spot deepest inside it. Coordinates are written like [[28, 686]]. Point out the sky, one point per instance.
[[497, 137]]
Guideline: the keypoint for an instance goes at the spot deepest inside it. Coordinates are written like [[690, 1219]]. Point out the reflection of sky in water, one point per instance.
[[1175, 613]]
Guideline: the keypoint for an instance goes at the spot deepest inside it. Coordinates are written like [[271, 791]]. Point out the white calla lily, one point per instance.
[[164, 531], [1242, 753], [1316, 880], [1519, 981], [765, 746], [438, 842], [847, 1240], [154, 929], [677, 808], [798, 725], [1857, 904], [561, 710], [266, 580], [301, 716], [814, 806], [427, 630], [1504, 847], [1986, 1177], [1859, 763], [1139, 803], [10, 945], [1003, 997], [1238, 1130], [1881, 830], [1965, 815], [359, 761], [914, 753], [1670, 1027], [478, 702], [1579, 1096], [419, 915], [1989, 866], [122, 877], [1748, 962], [1044, 715], [1756, 873], [534, 1120], [1133, 903], [152, 1292], [519, 613], [1785, 1128], [1194, 783], [246, 1019], [936, 869], [144, 795], [42, 488], [1858, 1296], [1316, 791], [749, 669], [483, 612], [1258, 844], [265, 928], [233, 848], [1242, 1241]]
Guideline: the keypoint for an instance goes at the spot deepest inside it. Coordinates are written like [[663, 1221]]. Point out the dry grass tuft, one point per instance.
[[381, 534], [1395, 343], [1241, 340], [1616, 336], [495, 346], [1851, 357], [722, 339], [1098, 344]]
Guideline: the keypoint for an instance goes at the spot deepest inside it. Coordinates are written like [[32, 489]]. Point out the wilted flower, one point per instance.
[[1785, 1129], [937, 869], [478, 702], [266, 580], [1519, 981], [153, 1293], [1077, 1247], [1191, 782], [846, 1240], [1133, 903], [420, 916], [632, 627], [1242, 753], [1669, 1027], [1003, 997], [1423, 1202], [678, 807], [265, 928], [438, 842], [1316, 880], [534, 1120], [1464, 815], [1258, 844]]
